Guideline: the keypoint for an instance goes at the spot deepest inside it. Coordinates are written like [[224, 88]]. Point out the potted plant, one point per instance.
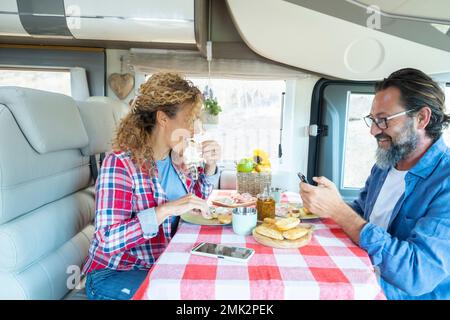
[[212, 108]]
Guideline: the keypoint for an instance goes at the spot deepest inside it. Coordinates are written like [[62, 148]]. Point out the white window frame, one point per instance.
[[43, 69], [347, 115], [287, 128]]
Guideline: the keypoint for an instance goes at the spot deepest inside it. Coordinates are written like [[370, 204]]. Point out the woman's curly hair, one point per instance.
[[164, 91]]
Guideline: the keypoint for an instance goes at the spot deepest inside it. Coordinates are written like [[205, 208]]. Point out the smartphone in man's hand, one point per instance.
[[302, 177]]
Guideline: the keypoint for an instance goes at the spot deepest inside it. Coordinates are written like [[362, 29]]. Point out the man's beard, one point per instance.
[[399, 149]]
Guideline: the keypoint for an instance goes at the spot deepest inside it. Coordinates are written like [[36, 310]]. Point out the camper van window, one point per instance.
[[54, 80], [250, 117], [357, 164]]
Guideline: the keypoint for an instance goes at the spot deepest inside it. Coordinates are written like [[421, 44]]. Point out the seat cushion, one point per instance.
[[49, 121], [98, 119], [52, 276], [228, 180], [38, 178], [35, 235]]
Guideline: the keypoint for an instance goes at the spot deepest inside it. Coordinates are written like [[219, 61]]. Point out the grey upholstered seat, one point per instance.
[[46, 188]]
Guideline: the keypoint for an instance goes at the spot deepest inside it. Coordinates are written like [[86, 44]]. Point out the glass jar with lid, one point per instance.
[[265, 204]]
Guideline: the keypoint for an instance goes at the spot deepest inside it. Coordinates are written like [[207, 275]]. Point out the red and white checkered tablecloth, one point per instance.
[[331, 266]]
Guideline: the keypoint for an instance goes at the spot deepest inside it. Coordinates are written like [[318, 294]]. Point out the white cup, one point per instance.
[[244, 220]]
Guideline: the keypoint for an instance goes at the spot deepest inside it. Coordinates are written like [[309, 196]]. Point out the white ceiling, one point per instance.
[[158, 9], [10, 26], [313, 41], [10, 23], [9, 5], [433, 9], [167, 21], [131, 30]]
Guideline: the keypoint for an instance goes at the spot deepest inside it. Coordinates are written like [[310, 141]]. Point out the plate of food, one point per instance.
[[234, 201], [306, 215], [296, 210], [283, 233], [219, 217]]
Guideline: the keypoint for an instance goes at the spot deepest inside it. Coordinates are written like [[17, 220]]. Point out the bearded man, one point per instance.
[[402, 215]]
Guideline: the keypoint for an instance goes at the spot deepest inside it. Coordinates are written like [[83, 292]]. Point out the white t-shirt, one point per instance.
[[391, 191]]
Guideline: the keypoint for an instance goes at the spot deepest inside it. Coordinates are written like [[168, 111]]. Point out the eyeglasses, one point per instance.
[[381, 123]]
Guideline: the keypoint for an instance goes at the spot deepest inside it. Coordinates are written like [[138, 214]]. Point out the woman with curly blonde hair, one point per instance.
[[143, 186]]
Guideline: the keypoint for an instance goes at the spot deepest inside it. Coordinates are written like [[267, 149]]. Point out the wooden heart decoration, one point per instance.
[[121, 84]]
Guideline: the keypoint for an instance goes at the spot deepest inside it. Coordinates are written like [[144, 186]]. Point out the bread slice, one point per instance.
[[295, 233], [287, 223], [269, 220], [268, 231], [224, 218], [304, 212]]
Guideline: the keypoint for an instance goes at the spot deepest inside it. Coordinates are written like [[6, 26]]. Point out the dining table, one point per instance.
[[330, 267]]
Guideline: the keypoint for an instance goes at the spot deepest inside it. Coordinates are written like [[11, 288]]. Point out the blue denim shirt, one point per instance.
[[414, 253]]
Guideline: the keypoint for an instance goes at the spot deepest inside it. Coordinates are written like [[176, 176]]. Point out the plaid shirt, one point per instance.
[[122, 191]]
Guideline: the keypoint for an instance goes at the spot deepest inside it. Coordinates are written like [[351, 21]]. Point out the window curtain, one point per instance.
[[193, 64]]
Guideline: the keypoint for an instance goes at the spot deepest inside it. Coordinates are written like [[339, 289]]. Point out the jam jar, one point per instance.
[[265, 205]]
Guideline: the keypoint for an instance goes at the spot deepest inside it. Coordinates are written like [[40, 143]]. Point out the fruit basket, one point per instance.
[[254, 173], [253, 182]]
